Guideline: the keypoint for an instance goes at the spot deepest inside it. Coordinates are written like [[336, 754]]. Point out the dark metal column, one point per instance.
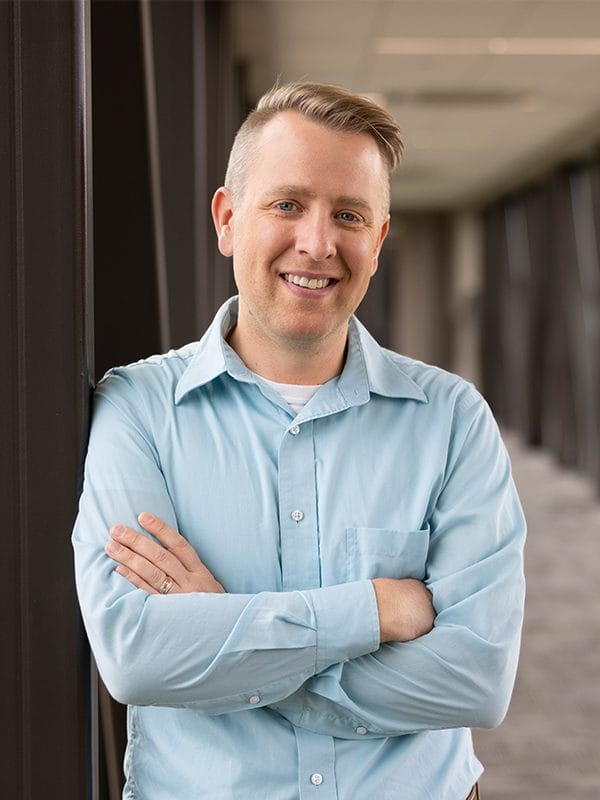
[[584, 317], [44, 280], [219, 110], [127, 315]]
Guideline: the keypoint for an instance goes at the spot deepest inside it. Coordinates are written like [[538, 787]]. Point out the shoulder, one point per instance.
[[151, 380], [441, 387]]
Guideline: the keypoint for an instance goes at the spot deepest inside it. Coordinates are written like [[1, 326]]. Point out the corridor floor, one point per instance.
[[549, 745]]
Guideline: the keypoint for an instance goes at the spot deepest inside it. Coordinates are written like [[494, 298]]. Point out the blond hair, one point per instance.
[[333, 106]]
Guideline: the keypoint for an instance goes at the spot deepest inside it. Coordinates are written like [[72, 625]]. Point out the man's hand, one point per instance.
[[172, 566], [405, 609]]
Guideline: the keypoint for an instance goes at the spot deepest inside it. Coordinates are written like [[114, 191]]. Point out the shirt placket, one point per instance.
[[301, 569], [300, 565], [316, 766]]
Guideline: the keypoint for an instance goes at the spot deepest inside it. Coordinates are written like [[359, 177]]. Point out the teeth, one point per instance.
[[306, 283]]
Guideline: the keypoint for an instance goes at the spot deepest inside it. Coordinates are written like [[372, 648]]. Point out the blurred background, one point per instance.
[[116, 125]]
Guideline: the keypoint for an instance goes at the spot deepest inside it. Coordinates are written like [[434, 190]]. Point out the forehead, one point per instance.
[[293, 149]]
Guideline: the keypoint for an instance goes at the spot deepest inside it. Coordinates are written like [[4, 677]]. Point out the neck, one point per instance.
[[302, 363]]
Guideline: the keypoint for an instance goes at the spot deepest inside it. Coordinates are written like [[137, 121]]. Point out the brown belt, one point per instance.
[[474, 793]]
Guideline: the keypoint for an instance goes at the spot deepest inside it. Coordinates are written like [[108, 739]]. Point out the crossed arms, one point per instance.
[[329, 659], [404, 607]]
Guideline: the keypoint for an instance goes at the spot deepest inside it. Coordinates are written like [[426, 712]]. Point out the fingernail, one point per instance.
[[112, 547], [117, 530], [121, 570], [145, 518]]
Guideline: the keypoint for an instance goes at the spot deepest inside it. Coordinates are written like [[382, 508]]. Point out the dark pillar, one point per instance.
[[218, 110], [44, 234], [127, 325]]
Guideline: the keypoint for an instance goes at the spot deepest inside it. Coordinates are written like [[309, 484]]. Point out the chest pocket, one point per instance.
[[385, 553]]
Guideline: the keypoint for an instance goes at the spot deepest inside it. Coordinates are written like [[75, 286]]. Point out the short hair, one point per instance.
[[333, 106]]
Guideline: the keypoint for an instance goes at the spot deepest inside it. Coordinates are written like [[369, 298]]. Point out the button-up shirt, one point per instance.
[[279, 688]]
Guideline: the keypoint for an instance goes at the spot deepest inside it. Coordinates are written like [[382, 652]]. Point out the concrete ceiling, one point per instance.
[[489, 93]]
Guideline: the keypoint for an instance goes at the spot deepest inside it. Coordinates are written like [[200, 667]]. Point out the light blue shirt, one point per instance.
[[280, 689]]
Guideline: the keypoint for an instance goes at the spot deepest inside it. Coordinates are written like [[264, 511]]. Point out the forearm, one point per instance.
[[216, 651], [449, 678], [403, 611], [460, 674]]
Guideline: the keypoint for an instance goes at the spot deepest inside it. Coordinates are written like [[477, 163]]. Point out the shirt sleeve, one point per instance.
[[461, 674], [213, 652]]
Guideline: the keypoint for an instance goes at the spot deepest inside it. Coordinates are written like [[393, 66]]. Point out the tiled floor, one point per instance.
[[549, 745]]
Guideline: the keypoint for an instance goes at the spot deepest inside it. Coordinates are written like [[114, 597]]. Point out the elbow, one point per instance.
[[131, 680], [490, 712], [474, 706], [128, 660], [490, 696], [127, 686]]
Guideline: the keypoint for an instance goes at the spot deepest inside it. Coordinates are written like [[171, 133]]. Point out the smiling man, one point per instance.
[[304, 250], [299, 555]]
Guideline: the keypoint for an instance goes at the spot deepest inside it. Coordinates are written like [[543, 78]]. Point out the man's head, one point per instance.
[[333, 106], [304, 214]]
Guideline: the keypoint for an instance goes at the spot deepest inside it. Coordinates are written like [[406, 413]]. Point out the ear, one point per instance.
[[222, 214], [385, 227]]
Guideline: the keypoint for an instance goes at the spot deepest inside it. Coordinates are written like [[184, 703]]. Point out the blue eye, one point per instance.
[[348, 216], [287, 205]]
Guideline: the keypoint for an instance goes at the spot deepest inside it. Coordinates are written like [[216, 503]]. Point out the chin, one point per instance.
[[305, 336]]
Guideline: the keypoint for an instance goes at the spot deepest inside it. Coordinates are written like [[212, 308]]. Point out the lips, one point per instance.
[[306, 283]]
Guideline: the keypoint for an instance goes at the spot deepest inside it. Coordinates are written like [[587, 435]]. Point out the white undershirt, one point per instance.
[[295, 395]]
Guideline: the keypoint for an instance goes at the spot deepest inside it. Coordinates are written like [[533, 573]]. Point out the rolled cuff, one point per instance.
[[347, 622]]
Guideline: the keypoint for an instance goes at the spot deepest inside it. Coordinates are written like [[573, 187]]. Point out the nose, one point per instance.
[[315, 236]]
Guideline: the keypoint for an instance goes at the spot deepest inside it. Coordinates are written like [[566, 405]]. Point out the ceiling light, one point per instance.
[[467, 46]]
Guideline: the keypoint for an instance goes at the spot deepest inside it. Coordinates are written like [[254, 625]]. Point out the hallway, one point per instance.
[[549, 745]]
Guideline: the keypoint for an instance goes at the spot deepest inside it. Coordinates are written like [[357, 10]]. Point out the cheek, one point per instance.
[[364, 257], [261, 242]]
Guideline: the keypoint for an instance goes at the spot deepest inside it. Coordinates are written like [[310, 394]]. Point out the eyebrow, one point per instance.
[[301, 191]]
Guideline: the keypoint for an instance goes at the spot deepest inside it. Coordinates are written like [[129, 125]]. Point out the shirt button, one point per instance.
[[295, 430], [361, 730], [297, 515], [254, 699], [316, 779]]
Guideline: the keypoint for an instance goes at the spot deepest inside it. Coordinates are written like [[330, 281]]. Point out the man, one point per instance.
[[332, 494]]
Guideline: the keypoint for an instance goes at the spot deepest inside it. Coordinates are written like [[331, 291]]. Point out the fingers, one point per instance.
[[172, 540], [138, 582], [145, 559], [147, 565]]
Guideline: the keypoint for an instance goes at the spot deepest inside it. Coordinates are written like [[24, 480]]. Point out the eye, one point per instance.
[[287, 206], [349, 216]]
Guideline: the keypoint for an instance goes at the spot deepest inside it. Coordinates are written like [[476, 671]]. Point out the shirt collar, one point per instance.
[[368, 368]]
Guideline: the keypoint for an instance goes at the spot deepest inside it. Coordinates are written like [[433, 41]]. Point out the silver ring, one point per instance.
[[166, 585]]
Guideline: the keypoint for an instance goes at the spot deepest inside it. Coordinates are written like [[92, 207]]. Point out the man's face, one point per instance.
[[306, 232]]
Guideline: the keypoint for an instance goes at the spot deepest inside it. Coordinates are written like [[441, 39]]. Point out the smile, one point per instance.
[[307, 283]]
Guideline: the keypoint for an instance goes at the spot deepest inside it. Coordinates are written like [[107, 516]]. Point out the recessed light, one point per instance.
[[496, 45]]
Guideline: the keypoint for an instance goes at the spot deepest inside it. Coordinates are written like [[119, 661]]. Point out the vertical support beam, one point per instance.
[[44, 303], [217, 115], [540, 249], [422, 245], [595, 181], [515, 315], [127, 316], [559, 424], [584, 320], [203, 272], [154, 165], [173, 57], [494, 368]]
